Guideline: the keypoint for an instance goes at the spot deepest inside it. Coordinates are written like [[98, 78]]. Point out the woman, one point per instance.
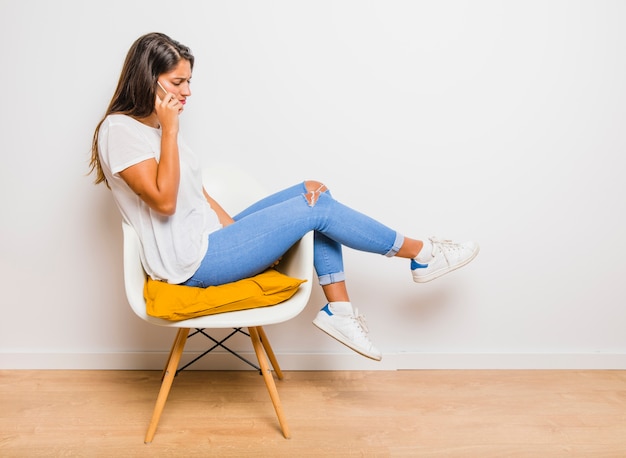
[[189, 239]]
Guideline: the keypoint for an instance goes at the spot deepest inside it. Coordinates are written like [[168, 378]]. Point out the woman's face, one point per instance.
[[177, 81]]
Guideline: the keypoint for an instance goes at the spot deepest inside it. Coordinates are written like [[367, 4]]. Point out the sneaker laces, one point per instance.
[[360, 319], [444, 245]]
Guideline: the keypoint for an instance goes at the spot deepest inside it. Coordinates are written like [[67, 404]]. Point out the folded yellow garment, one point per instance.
[[178, 302]]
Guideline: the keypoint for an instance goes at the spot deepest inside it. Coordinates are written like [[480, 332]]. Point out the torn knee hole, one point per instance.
[[313, 194]]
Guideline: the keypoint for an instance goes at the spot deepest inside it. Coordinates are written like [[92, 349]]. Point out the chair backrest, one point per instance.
[[134, 274], [234, 190]]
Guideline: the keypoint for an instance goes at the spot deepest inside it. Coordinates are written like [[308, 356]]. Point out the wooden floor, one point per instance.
[[330, 414]]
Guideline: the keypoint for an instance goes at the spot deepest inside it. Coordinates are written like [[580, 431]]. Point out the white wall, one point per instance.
[[499, 121]]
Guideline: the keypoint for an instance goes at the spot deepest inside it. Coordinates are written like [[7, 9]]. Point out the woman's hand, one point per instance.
[[167, 110], [222, 215]]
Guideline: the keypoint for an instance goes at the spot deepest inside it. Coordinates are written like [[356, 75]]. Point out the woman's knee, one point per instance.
[[314, 189]]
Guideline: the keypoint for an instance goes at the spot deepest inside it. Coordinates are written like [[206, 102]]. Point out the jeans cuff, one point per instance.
[[397, 244], [332, 278]]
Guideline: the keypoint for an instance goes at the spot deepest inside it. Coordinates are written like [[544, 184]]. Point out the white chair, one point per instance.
[[234, 190]]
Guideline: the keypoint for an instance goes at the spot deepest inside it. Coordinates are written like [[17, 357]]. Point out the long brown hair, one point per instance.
[[150, 56]]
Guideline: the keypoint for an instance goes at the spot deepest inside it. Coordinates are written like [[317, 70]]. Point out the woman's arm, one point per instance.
[[156, 183]]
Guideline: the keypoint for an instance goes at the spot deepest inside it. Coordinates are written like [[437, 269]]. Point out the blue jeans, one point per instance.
[[263, 232]]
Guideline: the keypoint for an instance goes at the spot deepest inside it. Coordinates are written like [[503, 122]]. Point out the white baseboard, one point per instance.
[[316, 362]]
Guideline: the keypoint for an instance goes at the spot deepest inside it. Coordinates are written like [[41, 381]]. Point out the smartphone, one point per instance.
[[162, 88]]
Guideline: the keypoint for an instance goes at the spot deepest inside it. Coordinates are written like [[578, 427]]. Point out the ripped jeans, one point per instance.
[[263, 232]]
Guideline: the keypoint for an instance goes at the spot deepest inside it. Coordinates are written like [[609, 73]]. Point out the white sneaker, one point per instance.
[[343, 323], [446, 256]]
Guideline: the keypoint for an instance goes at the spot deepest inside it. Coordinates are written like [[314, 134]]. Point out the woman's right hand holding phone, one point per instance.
[[167, 109]]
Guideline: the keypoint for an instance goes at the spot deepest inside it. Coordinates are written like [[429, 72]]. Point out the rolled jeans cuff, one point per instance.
[[397, 244], [332, 278]]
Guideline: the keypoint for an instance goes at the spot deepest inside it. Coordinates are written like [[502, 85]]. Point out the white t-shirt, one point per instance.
[[173, 246]]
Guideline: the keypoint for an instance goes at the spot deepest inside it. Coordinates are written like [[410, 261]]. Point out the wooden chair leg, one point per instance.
[[169, 357], [270, 353], [269, 379], [168, 378]]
